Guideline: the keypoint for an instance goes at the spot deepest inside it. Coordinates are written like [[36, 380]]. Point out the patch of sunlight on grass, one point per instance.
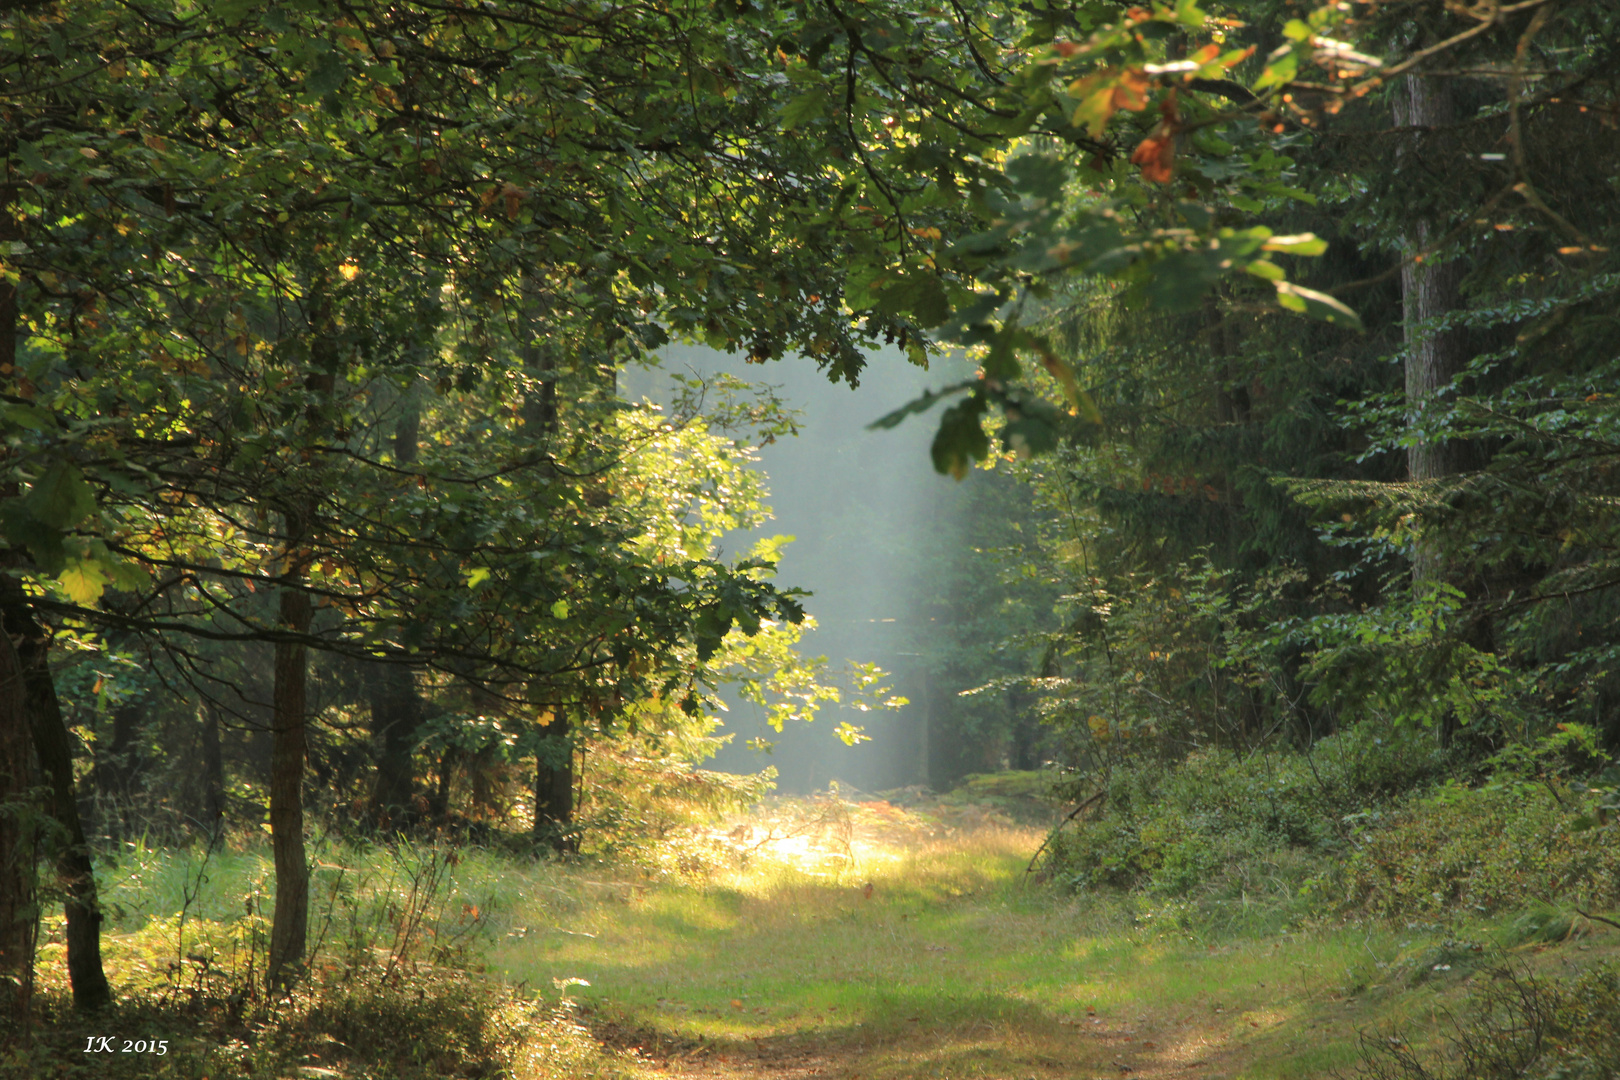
[[924, 955]]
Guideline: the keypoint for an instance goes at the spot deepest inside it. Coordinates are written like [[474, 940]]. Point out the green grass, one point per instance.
[[758, 949], [956, 967]]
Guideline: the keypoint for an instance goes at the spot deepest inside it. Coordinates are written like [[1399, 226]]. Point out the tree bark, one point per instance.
[[53, 748], [396, 714], [289, 926], [213, 769], [1429, 291], [396, 703], [290, 921], [554, 787], [554, 759], [115, 771], [18, 840]]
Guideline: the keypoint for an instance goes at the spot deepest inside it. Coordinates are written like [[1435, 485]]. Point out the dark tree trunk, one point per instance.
[[1429, 291], [289, 743], [554, 760], [213, 770], [554, 787], [116, 770], [539, 410], [439, 805], [290, 921], [396, 714], [126, 721], [18, 839], [53, 748], [396, 703]]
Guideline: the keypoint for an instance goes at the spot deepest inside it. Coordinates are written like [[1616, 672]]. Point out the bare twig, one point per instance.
[[1598, 918], [1076, 812]]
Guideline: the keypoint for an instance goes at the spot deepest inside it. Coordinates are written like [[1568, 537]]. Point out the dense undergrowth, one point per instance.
[[394, 987], [1368, 823], [1378, 825]]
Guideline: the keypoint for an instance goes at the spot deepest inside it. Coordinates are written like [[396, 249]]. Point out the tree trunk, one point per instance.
[[115, 771], [18, 851], [439, 805], [554, 787], [54, 750], [396, 703], [213, 770], [554, 759], [290, 922], [396, 714], [1429, 291], [289, 926], [18, 839]]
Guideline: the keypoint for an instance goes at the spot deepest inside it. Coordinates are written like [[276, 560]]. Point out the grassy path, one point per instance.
[[947, 966]]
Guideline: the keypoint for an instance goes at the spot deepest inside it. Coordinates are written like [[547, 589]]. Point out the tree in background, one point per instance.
[[1276, 530]]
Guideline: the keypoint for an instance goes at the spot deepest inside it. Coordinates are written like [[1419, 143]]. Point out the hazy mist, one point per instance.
[[857, 503]]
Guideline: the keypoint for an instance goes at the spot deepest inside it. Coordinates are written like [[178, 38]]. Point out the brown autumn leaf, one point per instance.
[[1131, 91], [514, 198], [1156, 157]]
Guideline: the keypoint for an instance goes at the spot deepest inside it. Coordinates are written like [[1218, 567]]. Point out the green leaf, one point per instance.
[[559, 610], [83, 581], [61, 498], [920, 295], [1265, 268], [1287, 191], [1188, 13], [480, 574], [1278, 72], [851, 735], [1315, 304], [1301, 244], [805, 107], [961, 440], [330, 74]]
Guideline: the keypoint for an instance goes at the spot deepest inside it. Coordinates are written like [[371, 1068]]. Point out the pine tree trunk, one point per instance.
[[53, 748], [1428, 292], [18, 842], [290, 922]]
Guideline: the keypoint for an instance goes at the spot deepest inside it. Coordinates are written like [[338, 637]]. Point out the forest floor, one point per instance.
[[868, 941], [848, 937]]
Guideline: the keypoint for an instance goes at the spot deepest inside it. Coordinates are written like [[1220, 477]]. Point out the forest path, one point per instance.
[[864, 941]]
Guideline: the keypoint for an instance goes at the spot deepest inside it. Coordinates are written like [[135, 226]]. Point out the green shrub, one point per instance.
[[1517, 1027], [1220, 825], [429, 1024], [1481, 851]]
